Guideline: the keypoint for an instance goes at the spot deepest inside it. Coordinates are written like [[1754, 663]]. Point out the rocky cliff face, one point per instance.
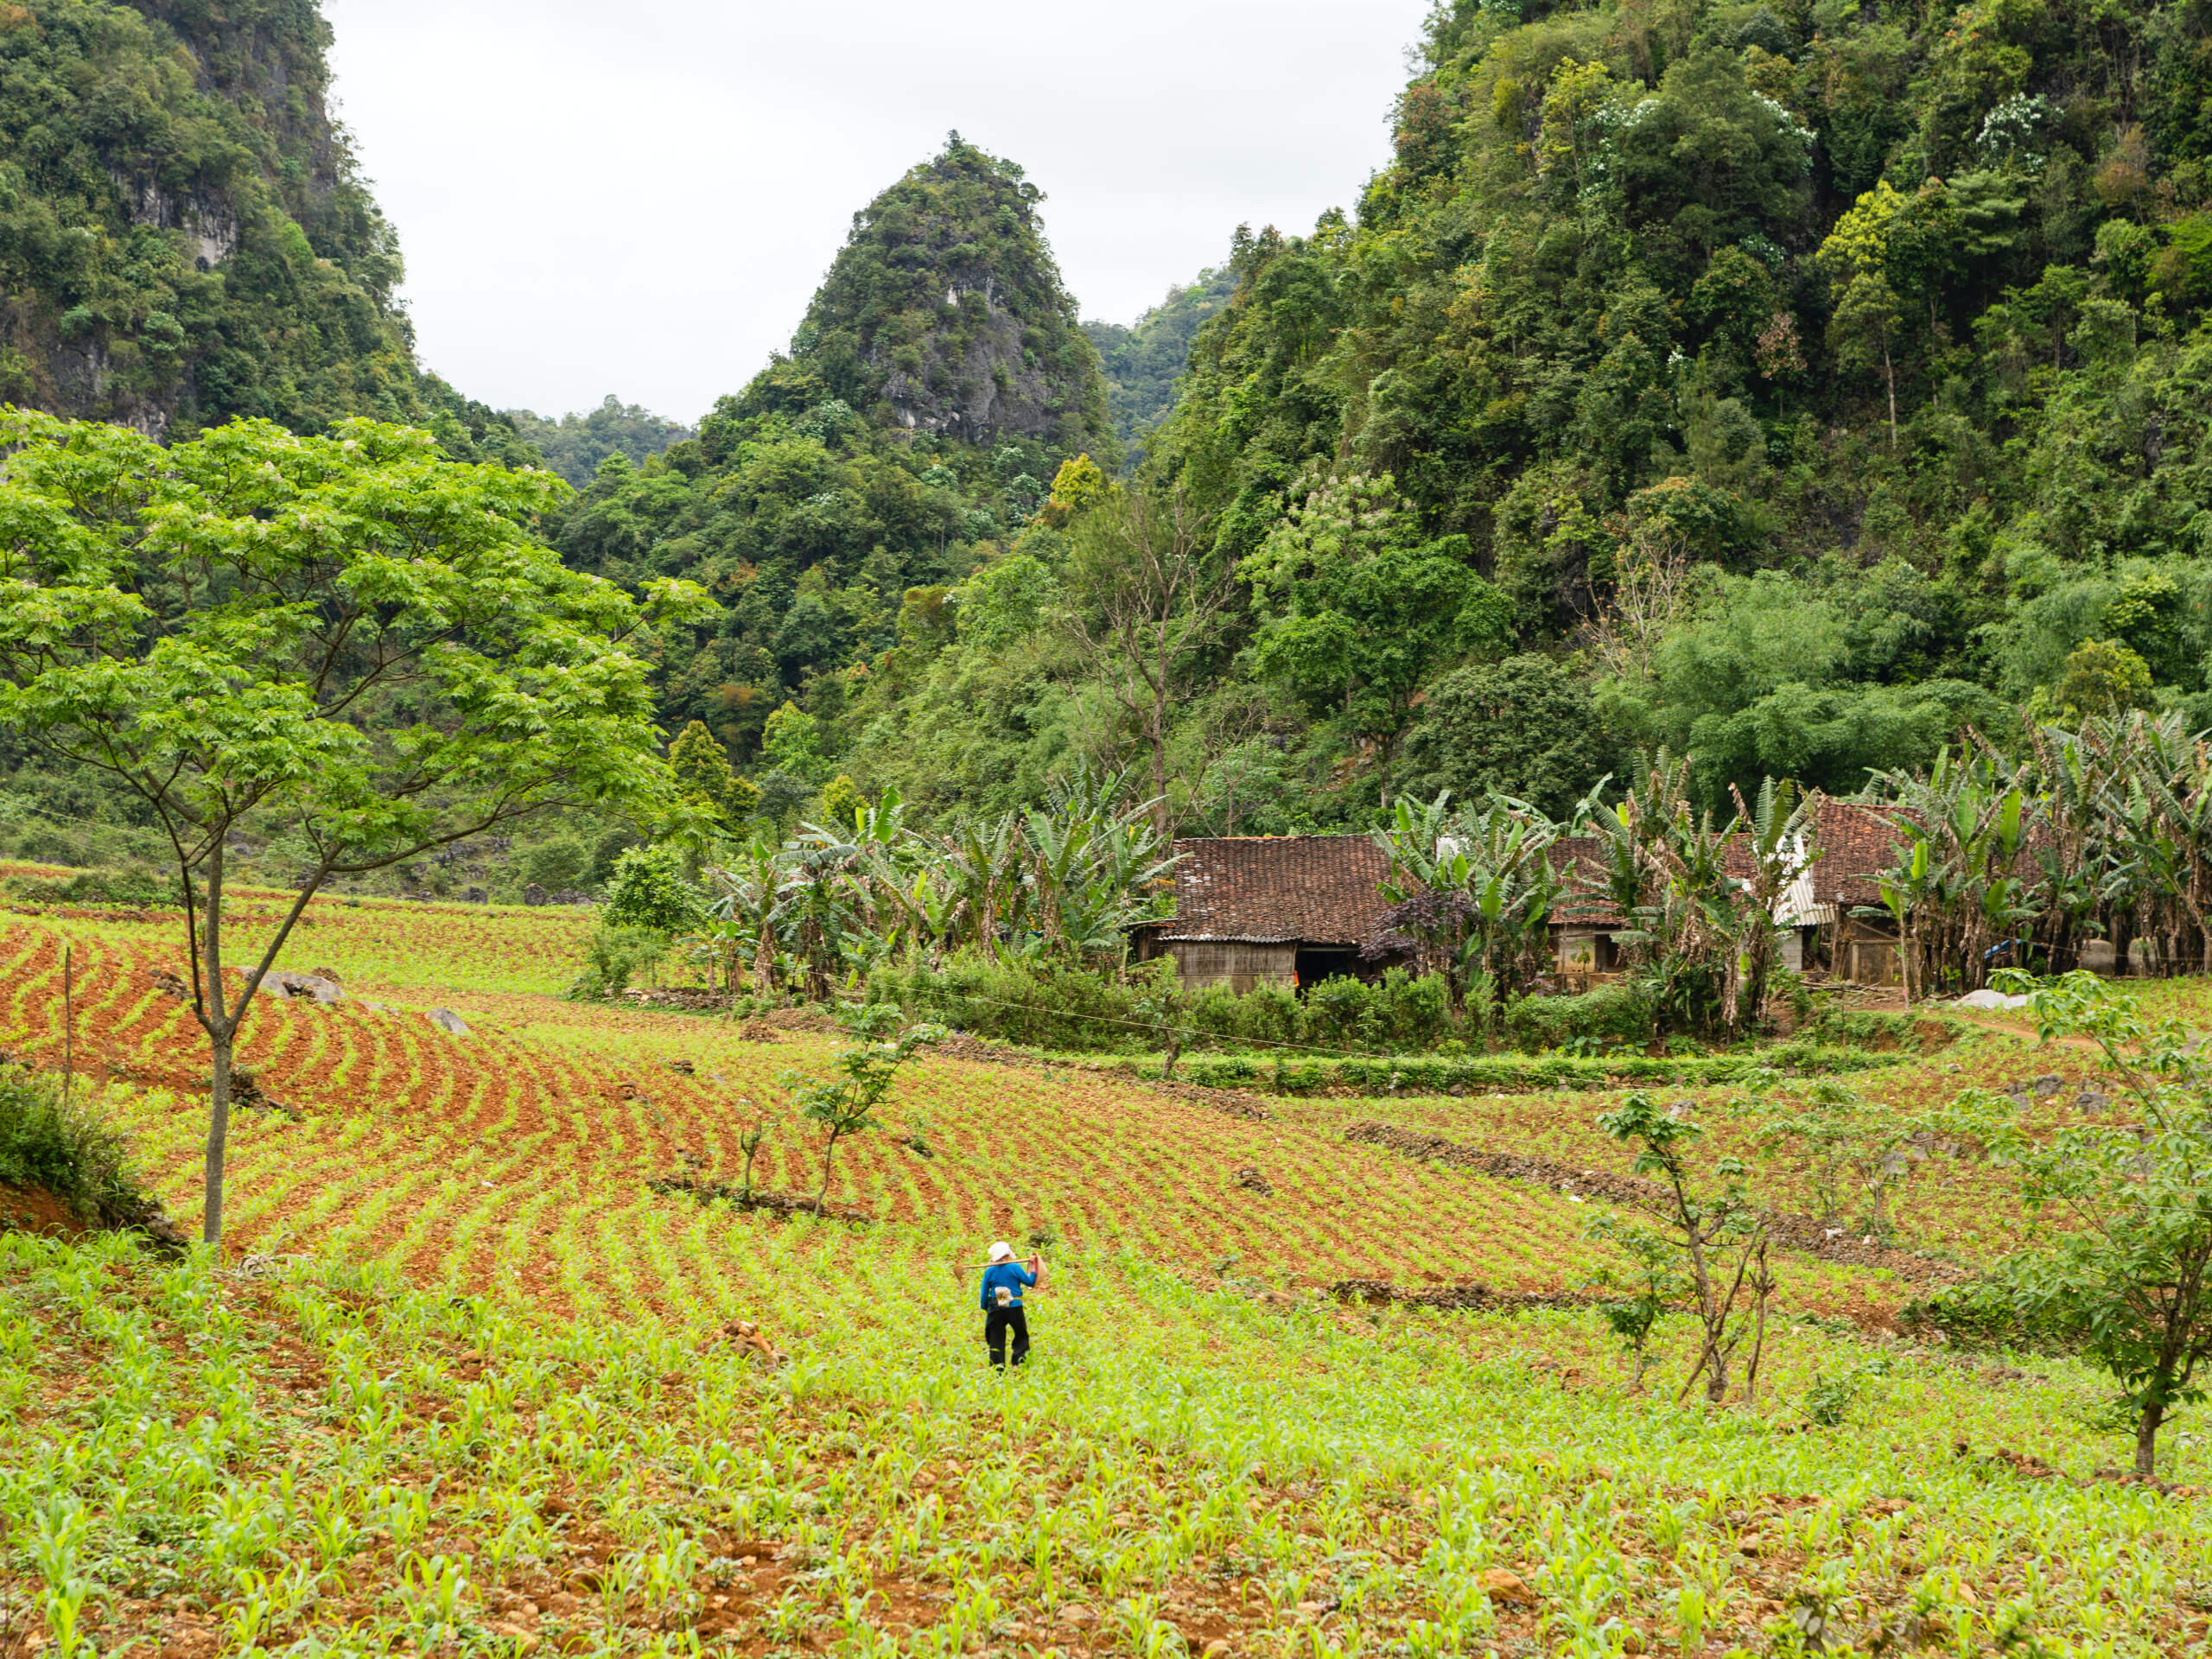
[[182, 236], [943, 313]]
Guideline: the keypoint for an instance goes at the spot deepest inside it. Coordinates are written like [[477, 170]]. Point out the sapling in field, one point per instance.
[[750, 1138], [1652, 1285], [868, 1068], [1847, 1146], [1719, 1238], [2128, 1277]]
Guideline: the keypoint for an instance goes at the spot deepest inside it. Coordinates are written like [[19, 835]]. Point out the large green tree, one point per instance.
[[350, 643], [1359, 609]]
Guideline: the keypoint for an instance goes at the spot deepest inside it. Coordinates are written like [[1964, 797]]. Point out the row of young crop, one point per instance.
[[419, 1147], [447, 1134], [338, 1459]]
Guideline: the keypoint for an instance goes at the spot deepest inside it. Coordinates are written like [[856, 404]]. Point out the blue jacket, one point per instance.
[[1012, 1274]]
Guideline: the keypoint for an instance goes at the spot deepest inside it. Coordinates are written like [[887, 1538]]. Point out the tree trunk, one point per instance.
[[2146, 1438], [764, 962], [1716, 1369], [221, 1021], [827, 1153], [1890, 374], [1159, 738], [219, 1134], [2123, 940], [221, 1025]]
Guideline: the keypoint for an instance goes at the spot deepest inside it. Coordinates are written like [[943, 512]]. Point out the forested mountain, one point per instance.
[[1143, 362], [574, 445], [183, 236], [1810, 380], [937, 383], [1798, 384]]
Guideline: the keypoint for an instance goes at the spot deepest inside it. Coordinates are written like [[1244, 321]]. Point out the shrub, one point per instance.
[[615, 955], [648, 892], [559, 864], [1040, 1006], [135, 887], [1411, 1013], [62, 1147], [1609, 1016], [1337, 1012], [1269, 1015]]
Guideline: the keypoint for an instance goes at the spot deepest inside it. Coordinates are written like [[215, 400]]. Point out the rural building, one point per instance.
[[1269, 909], [1850, 846], [1585, 921], [1856, 845], [1290, 909]]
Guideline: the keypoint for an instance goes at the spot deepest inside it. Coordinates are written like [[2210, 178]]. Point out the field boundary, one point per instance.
[[1801, 1233]]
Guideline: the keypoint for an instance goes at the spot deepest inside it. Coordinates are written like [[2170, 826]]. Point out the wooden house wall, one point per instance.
[[1239, 966]]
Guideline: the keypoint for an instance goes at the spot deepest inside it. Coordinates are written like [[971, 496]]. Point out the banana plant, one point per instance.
[[1473, 891], [746, 894]]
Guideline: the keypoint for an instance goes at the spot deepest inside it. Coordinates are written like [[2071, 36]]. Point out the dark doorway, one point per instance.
[[1315, 964]]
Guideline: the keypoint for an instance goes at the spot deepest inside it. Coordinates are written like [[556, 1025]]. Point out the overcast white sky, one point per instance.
[[640, 198]]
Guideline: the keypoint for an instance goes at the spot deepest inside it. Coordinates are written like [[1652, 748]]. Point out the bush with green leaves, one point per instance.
[[1267, 1013], [1037, 1005], [48, 1144], [1609, 1017], [134, 887], [613, 956], [649, 891]]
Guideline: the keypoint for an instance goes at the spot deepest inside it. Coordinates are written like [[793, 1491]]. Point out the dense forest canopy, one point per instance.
[[1812, 380]]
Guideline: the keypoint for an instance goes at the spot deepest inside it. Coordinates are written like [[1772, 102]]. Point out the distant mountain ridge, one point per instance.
[[574, 445], [1144, 359], [934, 390]]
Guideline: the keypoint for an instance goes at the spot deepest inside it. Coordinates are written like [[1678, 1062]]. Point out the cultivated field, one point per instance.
[[465, 1381]]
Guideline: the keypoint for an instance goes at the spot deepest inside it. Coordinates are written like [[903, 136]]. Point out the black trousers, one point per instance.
[[997, 1322]]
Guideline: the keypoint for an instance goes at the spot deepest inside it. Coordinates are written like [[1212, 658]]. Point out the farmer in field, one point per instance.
[[1004, 1280]]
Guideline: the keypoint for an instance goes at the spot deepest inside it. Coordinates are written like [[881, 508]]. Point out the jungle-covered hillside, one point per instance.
[[1799, 386], [184, 236]]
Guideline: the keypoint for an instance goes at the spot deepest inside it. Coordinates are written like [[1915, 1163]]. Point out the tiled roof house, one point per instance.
[[1272, 910], [1288, 910]]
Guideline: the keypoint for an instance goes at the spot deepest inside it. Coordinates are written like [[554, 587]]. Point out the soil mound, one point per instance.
[[26, 1210]]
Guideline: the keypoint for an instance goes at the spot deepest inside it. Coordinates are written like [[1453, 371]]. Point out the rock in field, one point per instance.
[[446, 1020], [311, 988]]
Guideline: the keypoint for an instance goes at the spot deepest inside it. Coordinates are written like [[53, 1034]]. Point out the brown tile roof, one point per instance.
[[1854, 845], [1579, 862], [1321, 889], [1272, 888]]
